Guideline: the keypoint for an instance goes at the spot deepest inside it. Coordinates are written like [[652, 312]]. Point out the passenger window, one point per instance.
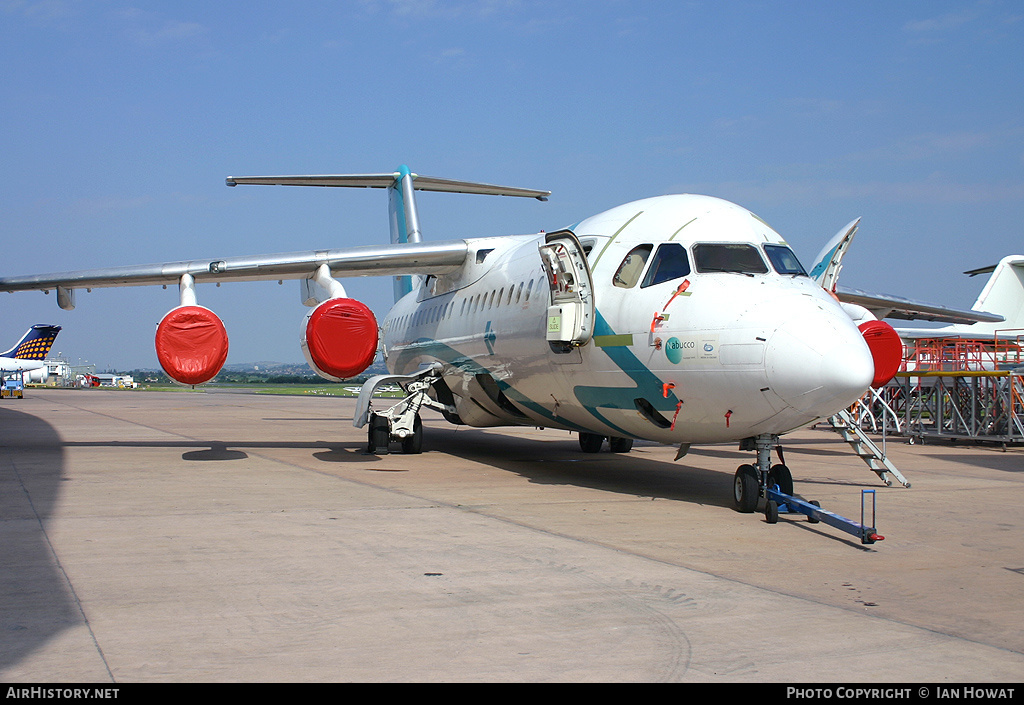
[[628, 273], [783, 259], [670, 262], [738, 258]]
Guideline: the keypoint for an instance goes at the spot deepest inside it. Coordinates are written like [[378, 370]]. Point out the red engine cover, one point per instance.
[[341, 337], [191, 344], [886, 349]]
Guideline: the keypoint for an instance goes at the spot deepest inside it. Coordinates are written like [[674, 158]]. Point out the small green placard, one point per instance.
[[609, 341]]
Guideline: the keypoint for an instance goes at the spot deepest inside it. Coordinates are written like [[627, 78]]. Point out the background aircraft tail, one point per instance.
[[35, 344], [1002, 295]]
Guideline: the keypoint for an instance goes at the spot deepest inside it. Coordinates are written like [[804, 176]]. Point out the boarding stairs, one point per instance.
[[846, 426]]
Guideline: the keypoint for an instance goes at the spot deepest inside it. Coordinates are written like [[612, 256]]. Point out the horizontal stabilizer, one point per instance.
[[981, 270], [420, 183]]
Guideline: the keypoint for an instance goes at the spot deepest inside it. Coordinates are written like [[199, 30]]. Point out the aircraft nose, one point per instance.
[[818, 363]]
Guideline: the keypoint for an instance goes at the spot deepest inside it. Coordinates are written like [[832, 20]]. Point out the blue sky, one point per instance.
[[121, 121]]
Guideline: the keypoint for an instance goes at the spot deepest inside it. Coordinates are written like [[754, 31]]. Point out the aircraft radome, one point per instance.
[[680, 319]]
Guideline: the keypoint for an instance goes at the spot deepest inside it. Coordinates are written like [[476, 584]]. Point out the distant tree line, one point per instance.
[[253, 377]]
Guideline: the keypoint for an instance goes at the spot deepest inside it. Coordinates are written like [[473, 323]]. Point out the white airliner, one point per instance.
[[680, 319], [30, 352]]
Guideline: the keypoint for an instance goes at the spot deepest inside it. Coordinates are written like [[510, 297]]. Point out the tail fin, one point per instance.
[[401, 184], [828, 263], [1002, 295], [405, 223], [35, 344]]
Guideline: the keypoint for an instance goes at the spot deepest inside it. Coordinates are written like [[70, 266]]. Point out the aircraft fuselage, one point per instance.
[[692, 325]]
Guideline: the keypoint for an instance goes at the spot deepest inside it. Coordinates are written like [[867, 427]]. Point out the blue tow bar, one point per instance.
[[778, 502]]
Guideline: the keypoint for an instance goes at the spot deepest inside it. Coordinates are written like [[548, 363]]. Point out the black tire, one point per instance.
[[810, 518], [620, 445], [380, 435], [414, 444], [590, 442], [771, 511], [781, 476], [745, 489]]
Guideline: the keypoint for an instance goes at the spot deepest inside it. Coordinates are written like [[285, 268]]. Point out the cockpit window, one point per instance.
[[670, 262], [743, 259], [783, 259], [588, 246], [628, 273]]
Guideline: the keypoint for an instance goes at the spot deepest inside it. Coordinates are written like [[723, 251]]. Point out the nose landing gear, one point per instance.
[[774, 484], [752, 482]]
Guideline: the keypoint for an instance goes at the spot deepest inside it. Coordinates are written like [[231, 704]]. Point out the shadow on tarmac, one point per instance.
[[39, 603]]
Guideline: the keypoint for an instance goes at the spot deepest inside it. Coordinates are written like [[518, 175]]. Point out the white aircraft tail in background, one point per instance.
[[1003, 295]]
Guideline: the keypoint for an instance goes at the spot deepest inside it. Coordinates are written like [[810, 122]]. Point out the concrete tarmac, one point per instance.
[[202, 537]]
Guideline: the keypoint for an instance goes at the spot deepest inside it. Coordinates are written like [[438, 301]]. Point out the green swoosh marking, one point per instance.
[[592, 398]]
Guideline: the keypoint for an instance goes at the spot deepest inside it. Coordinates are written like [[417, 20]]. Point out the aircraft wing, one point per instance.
[[381, 260], [886, 306]]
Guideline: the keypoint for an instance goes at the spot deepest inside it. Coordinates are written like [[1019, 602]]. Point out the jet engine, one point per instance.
[[339, 338], [191, 344], [886, 349]]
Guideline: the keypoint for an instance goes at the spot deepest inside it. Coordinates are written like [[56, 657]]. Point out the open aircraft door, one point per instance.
[[571, 313]]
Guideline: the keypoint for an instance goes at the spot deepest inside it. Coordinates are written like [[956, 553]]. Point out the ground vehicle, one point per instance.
[[12, 387]]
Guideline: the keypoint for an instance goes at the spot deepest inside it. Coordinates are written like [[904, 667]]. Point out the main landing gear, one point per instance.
[[400, 422], [592, 442], [380, 433]]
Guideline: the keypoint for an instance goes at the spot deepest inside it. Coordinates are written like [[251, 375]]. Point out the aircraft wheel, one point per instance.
[[379, 435], [620, 445], [744, 491], [590, 442], [771, 511], [414, 443], [781, 476]]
